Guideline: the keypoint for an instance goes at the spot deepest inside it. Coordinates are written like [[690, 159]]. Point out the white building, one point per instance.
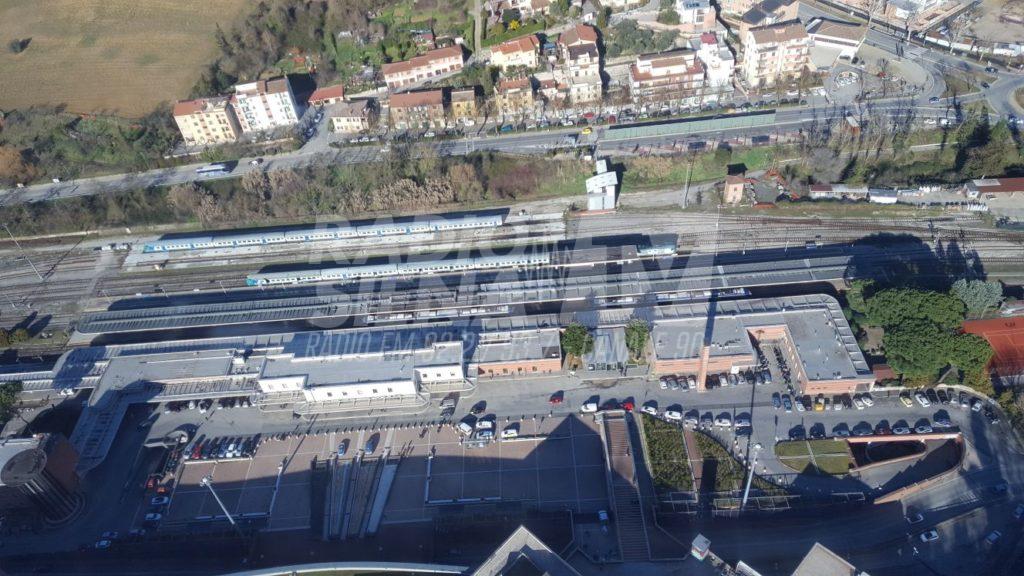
[[696, 15], [719, 62], [834, 39], [265, 104], [601, 188]]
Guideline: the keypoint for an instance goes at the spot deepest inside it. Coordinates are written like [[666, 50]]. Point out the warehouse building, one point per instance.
[[517, 353]]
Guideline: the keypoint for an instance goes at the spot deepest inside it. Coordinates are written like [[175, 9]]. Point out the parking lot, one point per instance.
[[247, 486], [555, 463]]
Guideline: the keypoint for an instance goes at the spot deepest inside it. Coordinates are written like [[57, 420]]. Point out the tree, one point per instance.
[[18, 45], [15, 166], [895, 307], [995, 155], [19, 335], [637, 332], [576, 340], [9, 399], [5, 338], [668, 16], [978, 295]]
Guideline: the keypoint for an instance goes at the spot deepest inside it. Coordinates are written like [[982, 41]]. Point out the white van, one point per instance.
[[465, 428], [589, 408], [510, 433]]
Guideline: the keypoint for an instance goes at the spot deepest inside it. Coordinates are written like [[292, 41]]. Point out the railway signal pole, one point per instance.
[[22, 250]]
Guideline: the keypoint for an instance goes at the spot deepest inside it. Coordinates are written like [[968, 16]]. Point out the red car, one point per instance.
[[556, 398], [627, 406]]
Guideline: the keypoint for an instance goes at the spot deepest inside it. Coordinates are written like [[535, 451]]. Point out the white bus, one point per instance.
[[213, 169]]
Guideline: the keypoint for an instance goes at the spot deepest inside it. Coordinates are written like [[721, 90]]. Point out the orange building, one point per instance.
[[517, 353]]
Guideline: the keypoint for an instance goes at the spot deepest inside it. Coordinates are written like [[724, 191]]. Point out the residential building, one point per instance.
[[582, 70], [588, 14], [38, 478], [735, 7], [578, 35], [775, 52], [718, 60], [433, 64], [621, 4], [523, 52], [462, 104], [352, 117], [265, 105], [514, 96], [768, 12], [695, 16], [526, 8], [207, 121], [327, 95], [820, 561], [421, 110], [666, 77], [834, 39]]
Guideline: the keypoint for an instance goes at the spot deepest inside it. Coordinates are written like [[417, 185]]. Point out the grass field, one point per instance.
[[830, 457], [669, 465], [107, 56]]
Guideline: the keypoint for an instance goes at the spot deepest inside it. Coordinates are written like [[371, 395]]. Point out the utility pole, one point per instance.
[[750, 476], [22, 250]]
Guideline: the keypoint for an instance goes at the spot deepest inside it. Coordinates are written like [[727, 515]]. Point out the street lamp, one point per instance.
[[750, 476], [208, 482]]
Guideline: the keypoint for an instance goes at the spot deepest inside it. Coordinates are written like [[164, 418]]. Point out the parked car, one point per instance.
[[102, 544], [993, 538], [650, 409], [159, 501], [915, 518], [724, 421], [510, 432], [776, 401], [153, 517], [858, 403], [901, 430], [923, 429], [867, 399], [929, 536], [673, 415], [589, 408], [480, 435], [906, 401]]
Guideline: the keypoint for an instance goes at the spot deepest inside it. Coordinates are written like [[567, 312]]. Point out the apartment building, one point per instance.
[[514, 96], [578, 35], [423, 110], [718, 60], [423, 67], [265, 105], [462, 104], [696, 16], [352, 117], [206, 121], [775, 52], [527, 8], [666, 76], [768, 12], [524, 52], [327, 95]]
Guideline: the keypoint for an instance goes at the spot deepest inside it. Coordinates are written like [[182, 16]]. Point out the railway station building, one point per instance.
[[810, 331]]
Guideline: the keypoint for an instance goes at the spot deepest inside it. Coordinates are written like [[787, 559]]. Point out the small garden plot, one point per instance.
[[825, 456], [666, 450]]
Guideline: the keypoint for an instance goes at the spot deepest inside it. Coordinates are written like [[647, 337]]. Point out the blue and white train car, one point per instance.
[[416, 268], [325, 233]]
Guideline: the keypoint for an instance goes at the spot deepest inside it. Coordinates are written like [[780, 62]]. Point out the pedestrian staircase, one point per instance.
[[623, 491]]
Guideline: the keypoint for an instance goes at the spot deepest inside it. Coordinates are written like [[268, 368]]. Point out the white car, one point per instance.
[[673, 415], [650, 410], [589, 408], [723, 421], [102, 544], [800, 405], [929, 536], [742, 422], [858, 403], [153, 517], [867, 399], [922, 400], [510, 433], [484, 425], [923, 429], [465, 428], [901, 430]]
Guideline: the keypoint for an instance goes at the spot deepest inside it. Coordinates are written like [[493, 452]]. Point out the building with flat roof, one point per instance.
[[530, 352], [695, 16], [265, 105], [206, 121], [719, 63], [671, 76], [610, 353], [812, 332], [994, 186], [775, 52], [821, 561], [37, 476], [832, 39]]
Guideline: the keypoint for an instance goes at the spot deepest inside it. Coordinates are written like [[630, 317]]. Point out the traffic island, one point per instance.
[[829, 457]]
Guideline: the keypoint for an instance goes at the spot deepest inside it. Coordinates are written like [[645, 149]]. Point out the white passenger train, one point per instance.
[[414, 268], [321, 233]]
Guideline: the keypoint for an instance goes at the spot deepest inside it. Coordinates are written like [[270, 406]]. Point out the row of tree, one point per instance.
[[577, 340], [922, 328]]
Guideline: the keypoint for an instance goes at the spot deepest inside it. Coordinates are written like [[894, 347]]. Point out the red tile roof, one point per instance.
[[524, 44], [999, 185], [423, 98], [327, 93], [577, 34], [423, 60]]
